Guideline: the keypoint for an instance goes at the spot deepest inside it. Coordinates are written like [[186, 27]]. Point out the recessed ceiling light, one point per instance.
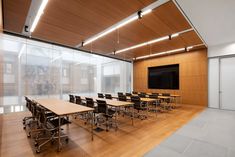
[[38, 15]]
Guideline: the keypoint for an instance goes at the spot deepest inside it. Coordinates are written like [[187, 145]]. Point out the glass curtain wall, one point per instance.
[[41, 70]]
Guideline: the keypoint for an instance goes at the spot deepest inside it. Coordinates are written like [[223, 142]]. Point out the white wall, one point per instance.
[[214, 55], [213, 83], [221, 50]]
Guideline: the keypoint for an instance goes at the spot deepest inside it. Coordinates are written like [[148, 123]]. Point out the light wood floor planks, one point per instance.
[[128, 141]]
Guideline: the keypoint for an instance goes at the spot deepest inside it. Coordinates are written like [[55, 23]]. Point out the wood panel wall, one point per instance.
[[193, 75]]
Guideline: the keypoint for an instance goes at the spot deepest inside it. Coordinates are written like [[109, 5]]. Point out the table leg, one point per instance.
[[92, 124], [116, 118], [133, 114], [59, 143], [147, 109]]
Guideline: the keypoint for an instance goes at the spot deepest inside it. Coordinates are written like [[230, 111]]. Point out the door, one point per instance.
[[227, 83]]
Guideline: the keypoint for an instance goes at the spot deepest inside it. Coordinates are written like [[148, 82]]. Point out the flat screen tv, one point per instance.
[[163, 77]]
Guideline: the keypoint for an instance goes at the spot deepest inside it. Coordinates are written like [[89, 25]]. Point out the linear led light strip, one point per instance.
[[153, 41], [38, 15], [116, 27], [124, 22], [168, 52]]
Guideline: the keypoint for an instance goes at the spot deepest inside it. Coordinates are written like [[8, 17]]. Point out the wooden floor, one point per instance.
[[128, 141]]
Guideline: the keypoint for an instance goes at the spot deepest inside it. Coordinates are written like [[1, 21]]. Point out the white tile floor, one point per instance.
[[211, 134]]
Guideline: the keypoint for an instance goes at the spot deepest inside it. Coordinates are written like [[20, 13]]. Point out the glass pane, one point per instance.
[[41, 70]]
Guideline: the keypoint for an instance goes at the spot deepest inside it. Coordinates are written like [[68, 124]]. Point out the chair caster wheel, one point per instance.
[[35, 144], [28, 135], [37, 151], [67, 140], [24, 127]]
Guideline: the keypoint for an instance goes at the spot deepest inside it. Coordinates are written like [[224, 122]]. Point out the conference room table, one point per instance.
[[63, 108], [164, 98], [116, 104]]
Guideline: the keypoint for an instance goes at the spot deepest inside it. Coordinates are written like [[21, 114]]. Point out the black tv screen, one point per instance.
[[163, 77]]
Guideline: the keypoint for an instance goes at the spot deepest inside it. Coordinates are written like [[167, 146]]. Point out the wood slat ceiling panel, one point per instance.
[[15, 13], [160, 22], [72, 21], [84, 18], [191, 38], [172, 17], [184, 40]]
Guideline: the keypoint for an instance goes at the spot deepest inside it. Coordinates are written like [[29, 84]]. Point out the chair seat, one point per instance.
[[111, 112], [55, 122], [141, 108]]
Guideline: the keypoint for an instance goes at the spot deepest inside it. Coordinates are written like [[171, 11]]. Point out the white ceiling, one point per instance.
[[213, 19]]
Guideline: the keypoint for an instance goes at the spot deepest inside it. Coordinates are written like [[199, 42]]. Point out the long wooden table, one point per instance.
[[147, 100], [63, 108], [117, 104]]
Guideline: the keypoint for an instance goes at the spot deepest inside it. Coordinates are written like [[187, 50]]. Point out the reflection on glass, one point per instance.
[[40, 70]]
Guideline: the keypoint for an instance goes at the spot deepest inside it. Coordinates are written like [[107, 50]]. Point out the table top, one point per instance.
[[148, 99], [61, 107], [164, 97], [143, 99], [112, 102], [172, 95]]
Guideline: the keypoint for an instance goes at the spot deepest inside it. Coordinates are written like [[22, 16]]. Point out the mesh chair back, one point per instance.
[[71, 98], [136, 100], [100, 95], [42, 116], [27, 102], [78, 100], [108, 96], [154, 96], [101, 106], [120, 93], [166, 94], [90, 102], [142, 95], [128, 94], [122, 98], [34, 109]]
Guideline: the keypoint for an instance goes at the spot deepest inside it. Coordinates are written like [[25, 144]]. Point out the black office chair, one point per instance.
[[108, 96], [166, 94], [50, 129], [78, 100], [122, 98], [126, 108], [28, 106], [90, 102], [106, 112], [155, 94], [166, 103], [119, 94], [142, 95], [128, 94], [155, 103], [71, 98], [139, 106], [100, 95], [32, 122]]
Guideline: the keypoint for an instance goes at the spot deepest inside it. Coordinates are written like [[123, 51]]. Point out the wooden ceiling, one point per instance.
[[72, 21], [14, 14]]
